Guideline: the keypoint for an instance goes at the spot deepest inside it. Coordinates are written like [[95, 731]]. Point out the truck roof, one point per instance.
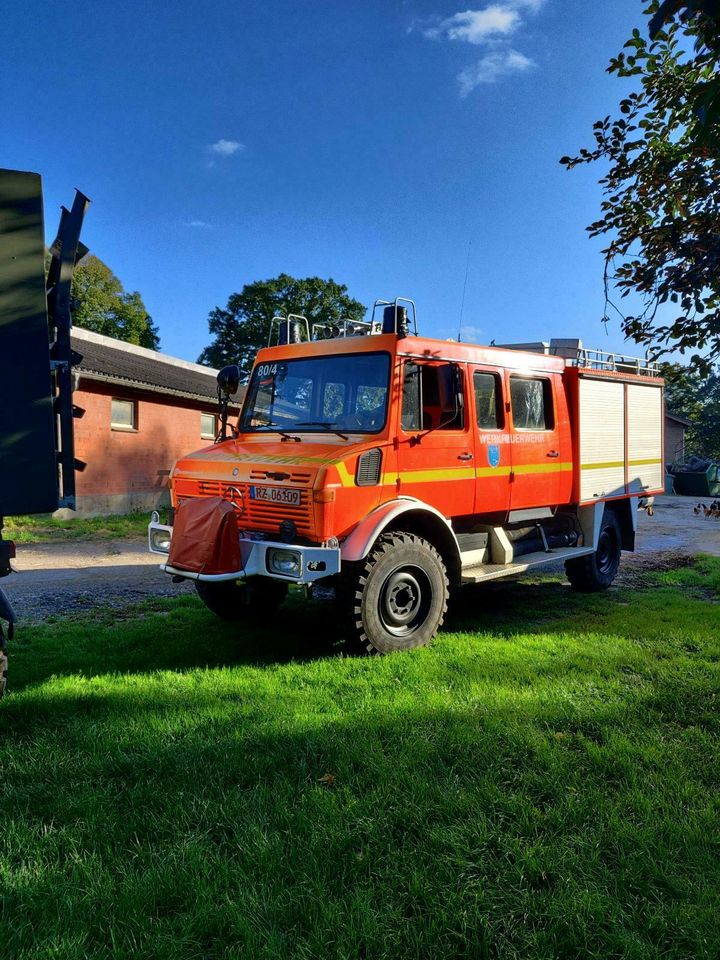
[[421, 347]]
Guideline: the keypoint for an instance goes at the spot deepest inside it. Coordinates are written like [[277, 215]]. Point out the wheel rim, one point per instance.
[[404, 601], [606, 552]]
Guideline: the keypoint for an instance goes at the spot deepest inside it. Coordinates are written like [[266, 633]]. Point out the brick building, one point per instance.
[[143, 410], [675, 427]]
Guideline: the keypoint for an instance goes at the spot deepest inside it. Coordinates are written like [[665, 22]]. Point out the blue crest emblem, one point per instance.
[[493, 455]]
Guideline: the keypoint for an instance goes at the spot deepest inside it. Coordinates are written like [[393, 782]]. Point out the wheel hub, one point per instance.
[[404, 601], [605, 552], [402, 597]]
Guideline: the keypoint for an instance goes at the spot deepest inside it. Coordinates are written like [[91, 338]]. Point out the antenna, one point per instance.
[[462, 305]]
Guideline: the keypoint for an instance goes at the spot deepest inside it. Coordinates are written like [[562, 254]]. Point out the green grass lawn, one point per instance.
[[44, 528], [541, 783]]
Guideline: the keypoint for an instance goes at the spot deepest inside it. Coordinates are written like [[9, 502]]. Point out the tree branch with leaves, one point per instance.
[[661, 206], [241, 328]]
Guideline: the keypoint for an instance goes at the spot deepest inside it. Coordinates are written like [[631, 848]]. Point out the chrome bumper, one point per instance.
[[314, 563]]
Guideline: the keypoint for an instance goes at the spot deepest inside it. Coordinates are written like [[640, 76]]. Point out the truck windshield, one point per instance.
[[319, 395]]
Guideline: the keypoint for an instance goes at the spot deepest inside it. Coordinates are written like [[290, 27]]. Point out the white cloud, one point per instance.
[[492, 27], [485, 25], [490, 67], [477, 26], [470, 334], [199, 224], [225, 148]]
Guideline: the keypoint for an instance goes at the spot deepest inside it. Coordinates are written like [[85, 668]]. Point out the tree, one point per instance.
[[662, 189], [243, 326], [101, 304], [698, 399]]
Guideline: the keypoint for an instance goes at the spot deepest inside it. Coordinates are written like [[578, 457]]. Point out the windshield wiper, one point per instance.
[[324, 425], [268, 428]]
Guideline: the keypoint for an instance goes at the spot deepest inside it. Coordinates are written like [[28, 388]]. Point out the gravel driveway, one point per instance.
[[57, 578]]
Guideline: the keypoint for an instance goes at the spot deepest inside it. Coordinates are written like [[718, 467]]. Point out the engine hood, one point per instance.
[[251, 460]]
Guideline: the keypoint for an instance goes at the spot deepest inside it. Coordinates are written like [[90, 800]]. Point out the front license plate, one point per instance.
[[276, 495]]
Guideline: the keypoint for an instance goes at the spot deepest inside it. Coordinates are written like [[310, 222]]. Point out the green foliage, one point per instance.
[[242, 327], [662, 187], [698, 399], [541, 783], [44, 528], [102, 305]]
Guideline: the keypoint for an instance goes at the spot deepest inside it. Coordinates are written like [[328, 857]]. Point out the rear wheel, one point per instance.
[[396, 599], [596, 571], [231, 600]]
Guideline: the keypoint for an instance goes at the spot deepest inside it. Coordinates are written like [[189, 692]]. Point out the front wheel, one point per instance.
[[396, 599], [596, 571], [233, 600]]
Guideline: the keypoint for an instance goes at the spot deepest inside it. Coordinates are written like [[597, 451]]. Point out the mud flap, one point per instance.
[[6, 613]]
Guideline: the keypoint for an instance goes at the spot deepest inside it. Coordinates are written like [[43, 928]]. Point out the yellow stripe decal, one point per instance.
[[472, 473], [344, 474], [603, 466], [620, 463], [431, 476], [493, 471], [529, 468]]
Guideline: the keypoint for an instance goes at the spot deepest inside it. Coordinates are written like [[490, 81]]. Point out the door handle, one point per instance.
[[553, 453], [465, 456]]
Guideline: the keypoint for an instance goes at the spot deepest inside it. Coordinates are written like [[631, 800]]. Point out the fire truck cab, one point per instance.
[[398, 468]]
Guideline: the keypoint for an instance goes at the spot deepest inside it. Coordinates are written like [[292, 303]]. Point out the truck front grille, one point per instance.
[[252, 514]]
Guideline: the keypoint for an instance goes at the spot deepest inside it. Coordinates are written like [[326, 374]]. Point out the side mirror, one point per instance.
[[228, 380]]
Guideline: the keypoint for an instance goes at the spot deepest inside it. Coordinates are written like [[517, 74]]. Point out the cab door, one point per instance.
[[540, 464], [493, 457], [436, 455]]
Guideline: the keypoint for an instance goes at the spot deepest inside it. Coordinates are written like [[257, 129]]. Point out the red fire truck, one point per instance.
[[397, 468]]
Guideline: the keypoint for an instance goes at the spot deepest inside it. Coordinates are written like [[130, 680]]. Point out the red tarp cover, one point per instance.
[[205, 537]]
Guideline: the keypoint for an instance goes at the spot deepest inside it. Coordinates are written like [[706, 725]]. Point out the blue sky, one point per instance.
[[365, 141]]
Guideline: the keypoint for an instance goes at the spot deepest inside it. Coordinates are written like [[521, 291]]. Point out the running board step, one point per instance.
[[494, 571]]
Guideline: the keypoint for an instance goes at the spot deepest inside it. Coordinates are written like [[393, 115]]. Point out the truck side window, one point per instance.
[[410, 413], [428, 397], [531, 400], [488, 400]]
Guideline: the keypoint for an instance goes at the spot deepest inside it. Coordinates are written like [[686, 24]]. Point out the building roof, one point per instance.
[[114, 361], [678, 419]]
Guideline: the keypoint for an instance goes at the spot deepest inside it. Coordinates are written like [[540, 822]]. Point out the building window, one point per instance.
[[208, 426], [123, 414]]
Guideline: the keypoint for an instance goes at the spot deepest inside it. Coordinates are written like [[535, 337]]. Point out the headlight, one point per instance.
[[160, 541], [285, 562]]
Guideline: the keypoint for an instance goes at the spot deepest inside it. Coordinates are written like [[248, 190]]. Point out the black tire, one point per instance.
[[396, 599], [230, 600], [596, 571]]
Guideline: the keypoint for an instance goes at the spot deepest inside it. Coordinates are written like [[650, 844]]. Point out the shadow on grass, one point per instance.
[[179, 635], [474, 808], [539, 783]]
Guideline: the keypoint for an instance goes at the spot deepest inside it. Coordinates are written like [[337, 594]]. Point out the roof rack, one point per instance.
[[327, 330], [289, 329], [576, 355], [618, 362], [395, 316]]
